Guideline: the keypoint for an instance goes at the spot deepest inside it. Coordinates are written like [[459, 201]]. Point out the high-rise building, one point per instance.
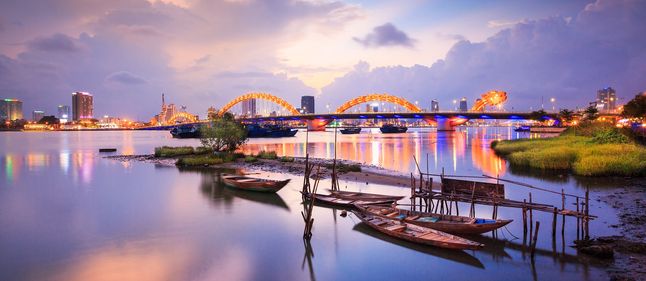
[[63, 113], [36, 115], [463, 105], [82, 106], [249, 107], [435, 106], [607, 98], [10, 109], [307, 104]]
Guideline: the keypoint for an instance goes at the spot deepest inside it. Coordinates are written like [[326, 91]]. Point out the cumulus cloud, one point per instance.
[[125, 77], [384, 36], [56, 43], [553, 57]]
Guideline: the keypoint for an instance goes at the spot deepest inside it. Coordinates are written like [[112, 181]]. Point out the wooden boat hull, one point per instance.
[[345, 203], [446, 223], [254, 184], [363, 195], [416, 234]]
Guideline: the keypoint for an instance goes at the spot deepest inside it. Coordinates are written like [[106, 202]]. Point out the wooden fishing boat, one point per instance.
[[446, 223], [416, 233], [363, 195], [253, 184], [335, 201]]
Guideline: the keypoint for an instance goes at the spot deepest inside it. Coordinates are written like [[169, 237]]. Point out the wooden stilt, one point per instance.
[[533, 248]]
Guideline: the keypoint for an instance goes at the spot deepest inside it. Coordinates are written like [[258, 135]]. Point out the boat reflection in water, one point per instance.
[[213, 188]]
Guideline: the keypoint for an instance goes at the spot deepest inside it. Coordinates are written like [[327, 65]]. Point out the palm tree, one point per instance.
[[566, 115], [591, 112]]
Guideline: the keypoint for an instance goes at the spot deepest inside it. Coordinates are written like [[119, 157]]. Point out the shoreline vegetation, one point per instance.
[[588, 149]]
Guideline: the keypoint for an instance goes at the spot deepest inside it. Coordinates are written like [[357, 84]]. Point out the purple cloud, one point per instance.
[[56, 43], [125, 77], [554, 57], [384, 36]]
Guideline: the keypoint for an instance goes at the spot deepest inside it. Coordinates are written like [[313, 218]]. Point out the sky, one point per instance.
[[203, 53]]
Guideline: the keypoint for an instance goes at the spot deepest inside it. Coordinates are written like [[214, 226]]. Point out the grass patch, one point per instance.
[[286, 159], [198, 161], [250, 159], [267, 155], [167, 151], [605, 152], [344, 168]]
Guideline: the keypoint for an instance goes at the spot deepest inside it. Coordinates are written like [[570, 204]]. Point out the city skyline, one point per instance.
[[129, 53]]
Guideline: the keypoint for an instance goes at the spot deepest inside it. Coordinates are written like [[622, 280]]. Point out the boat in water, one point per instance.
[[348, 202], [269, 131], [363, 195], [253, 184], [446, 223], [350, 130], [393, 129], [186, 131], [522, 129], [415, 233]]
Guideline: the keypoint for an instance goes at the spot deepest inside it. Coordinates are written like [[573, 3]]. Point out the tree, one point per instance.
[[591, 112], [537, 115], [223, 134], [566, 115], [50, 119], [635, 108]]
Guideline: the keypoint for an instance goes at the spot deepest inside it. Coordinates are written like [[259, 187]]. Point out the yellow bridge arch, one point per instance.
[[187, 116], [378, 97], [490, 98], [264, 96]]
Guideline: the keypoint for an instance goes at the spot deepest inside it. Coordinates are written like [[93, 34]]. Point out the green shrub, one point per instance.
[[203, 150], [267, 154], [286, 159], [609, 136], [250, 159], [344, 168], [198, 161], [167, 151]]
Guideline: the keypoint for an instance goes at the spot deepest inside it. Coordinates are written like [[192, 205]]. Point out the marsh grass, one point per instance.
[[250, 159], [267, 155], [579, 154], [286, 159], [167, 151], [198, 161]]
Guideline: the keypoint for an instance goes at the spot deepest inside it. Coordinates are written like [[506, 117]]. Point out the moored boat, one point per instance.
[[185, 131], [363, 195], [522, 129], [336, 201], [253, 184], [446, 223], [416, 233], [350, 130], [269, 131], [393, 129]]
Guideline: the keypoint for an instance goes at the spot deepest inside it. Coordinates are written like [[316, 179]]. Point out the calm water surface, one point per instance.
[[66, 213]]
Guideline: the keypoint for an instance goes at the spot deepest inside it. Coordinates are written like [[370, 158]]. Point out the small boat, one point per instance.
[[415, 233], [350, 130], [269, 131], [393, 129], [185, 131], [253, 184], [336, 201], [363, 195], [522, 129], [446, 223]]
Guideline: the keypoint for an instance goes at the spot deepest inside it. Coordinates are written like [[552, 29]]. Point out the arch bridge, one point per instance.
[[189, 118], [263, 96]]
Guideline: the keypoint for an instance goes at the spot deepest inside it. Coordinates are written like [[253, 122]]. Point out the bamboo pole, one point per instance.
[[533, 248]]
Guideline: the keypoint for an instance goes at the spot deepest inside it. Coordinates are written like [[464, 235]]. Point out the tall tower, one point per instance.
[[82, 106], [307, 104]]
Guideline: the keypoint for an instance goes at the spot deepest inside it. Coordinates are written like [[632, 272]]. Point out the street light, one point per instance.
[[552, 100], [455, 107], [328, 107]]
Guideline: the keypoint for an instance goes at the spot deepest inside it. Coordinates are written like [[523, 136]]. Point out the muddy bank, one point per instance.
[[369, 174], [629, 261]]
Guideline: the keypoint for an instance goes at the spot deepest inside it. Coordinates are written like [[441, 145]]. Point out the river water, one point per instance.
[[67, 213]]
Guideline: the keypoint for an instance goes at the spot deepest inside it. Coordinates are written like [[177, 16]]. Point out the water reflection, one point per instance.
[[452, 255], [221, 195]]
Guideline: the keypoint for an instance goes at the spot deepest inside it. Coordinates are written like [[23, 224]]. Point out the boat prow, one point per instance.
[[254, 184]]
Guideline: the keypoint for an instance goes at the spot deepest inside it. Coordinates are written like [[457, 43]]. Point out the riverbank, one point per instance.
[[369, 174], [592, 150], [630, 247]]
